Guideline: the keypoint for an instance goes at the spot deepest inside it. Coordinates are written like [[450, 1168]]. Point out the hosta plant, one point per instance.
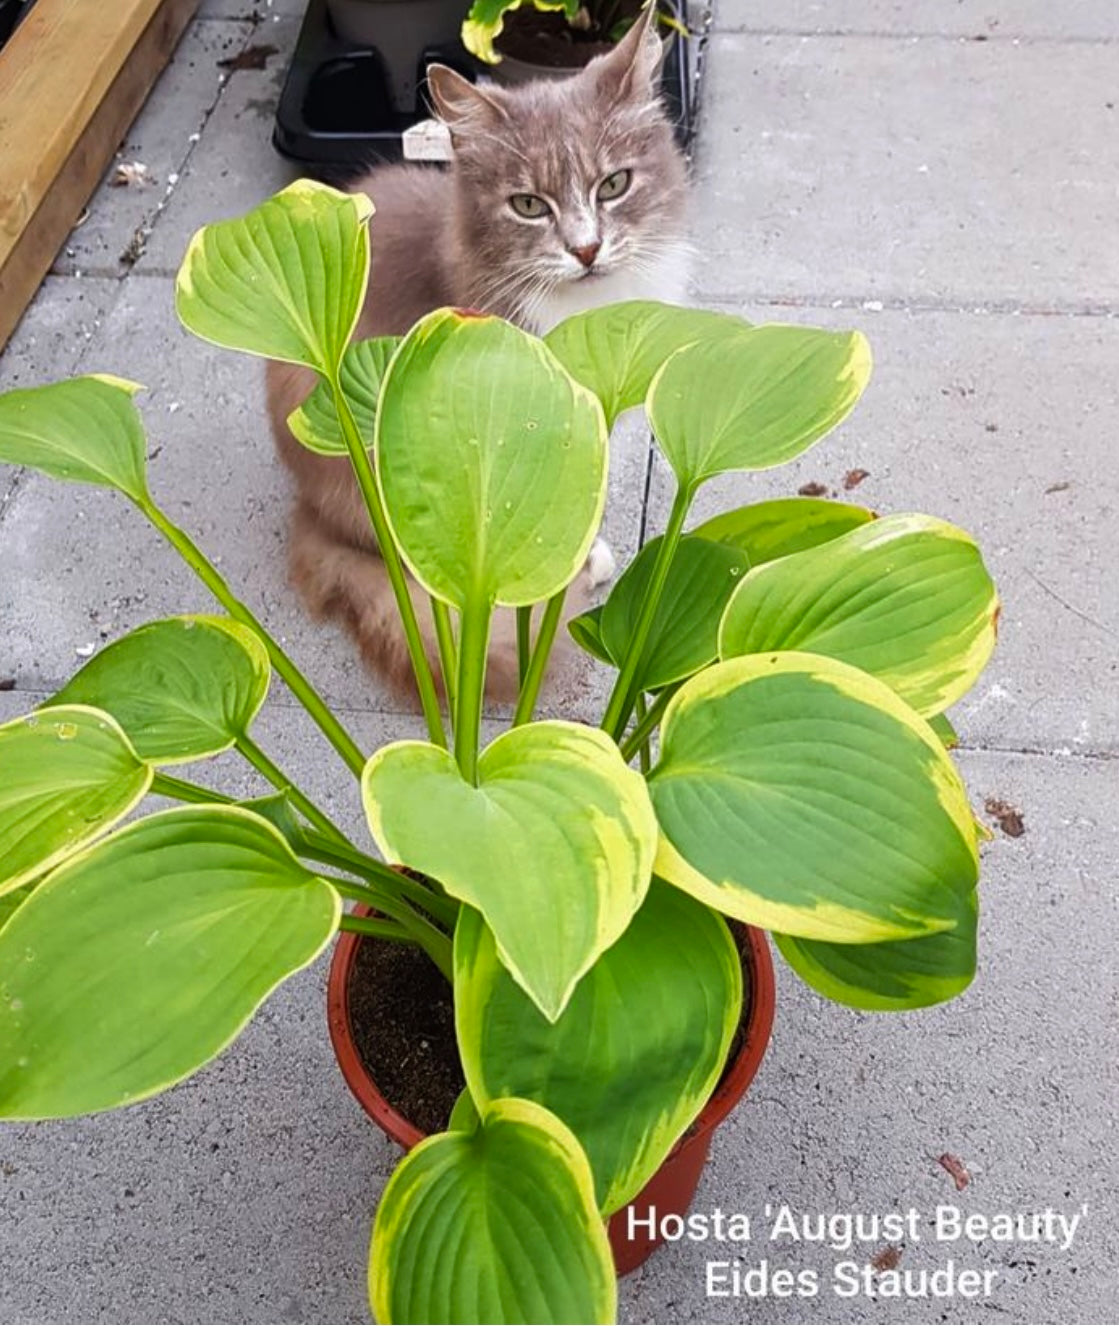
[[597, 20], [773, 750]]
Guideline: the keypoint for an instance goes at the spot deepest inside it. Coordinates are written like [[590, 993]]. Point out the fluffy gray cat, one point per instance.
[[563, 195]]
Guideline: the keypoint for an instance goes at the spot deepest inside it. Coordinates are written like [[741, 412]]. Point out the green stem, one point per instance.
[[300, 687], [368, 925], [524, 643], [638, 739], [545, 638], [471, 685], [367, 482], [180, 790], [639, 712], [445, 910], [448, 652], [623, 695], [279, 780], [436, 946]]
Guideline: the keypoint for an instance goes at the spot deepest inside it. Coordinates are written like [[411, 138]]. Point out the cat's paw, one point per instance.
[[601, 563]]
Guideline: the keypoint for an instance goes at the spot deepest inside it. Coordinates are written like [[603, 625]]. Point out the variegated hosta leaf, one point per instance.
[[142, 957], [315, 423], [905, 598], [66, 775], [894, 976], [181, 688], [486, 19], [754, 399], [765, 530], [554, 846], [285, 280], [800, 794], [636, 1053], [493, 1224]]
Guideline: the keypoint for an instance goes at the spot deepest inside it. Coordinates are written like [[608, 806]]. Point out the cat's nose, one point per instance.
[[586, 253]]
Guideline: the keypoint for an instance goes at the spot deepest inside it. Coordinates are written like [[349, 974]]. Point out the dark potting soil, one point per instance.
[[543, 38], [403, 1023]]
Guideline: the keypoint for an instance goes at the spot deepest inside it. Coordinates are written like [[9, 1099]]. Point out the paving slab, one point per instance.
[[951, 425], [160, 142], [979, 20], [893, 169]]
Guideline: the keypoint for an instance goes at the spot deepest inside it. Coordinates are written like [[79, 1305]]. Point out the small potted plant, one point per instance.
[[773, 751]]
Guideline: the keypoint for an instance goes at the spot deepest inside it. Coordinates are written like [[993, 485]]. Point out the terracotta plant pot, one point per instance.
[[673, 1186]]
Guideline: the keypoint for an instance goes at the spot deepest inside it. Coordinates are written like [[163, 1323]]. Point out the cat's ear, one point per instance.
[[459, 103], [629, 71]]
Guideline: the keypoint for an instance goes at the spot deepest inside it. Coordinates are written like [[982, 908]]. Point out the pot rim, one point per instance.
[[730, 1091]]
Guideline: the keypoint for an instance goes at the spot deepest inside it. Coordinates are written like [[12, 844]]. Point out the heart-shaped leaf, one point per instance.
[[765, 530], [906, 598], [86, 430], [800, 794], [285, 280], [497, 1224], [616, 350], [315, 423], [142, 957], [684, 636], [181, 688], [638, 1050], [905, 973], [492, 460], [554, 846], [69, 773], [754, 399]]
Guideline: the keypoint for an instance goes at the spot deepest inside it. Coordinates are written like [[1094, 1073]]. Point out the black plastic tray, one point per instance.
[[335, 115]]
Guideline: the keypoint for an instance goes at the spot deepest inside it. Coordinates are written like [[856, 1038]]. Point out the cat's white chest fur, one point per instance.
[[666, 280]]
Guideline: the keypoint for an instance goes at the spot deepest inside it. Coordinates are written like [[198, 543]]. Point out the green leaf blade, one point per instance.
[[85, 430], [492, 461], [636, 1053], [767, 530], [181, 689], [906, 598], [140, 959], [68, 774], [554, 846], [285, 281], [315, 423], [494, 1225], [796, 793]]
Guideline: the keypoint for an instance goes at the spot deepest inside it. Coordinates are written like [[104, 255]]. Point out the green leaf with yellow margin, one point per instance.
[[315, 423], [182, 688], [554, 846], [139, 959], [285, 281], [498, 1224], [765, 530], [638, 1050], [799, 794], [906, 598], [485, 21], [754, 399], [492, 461], [66, 775], [894, 976]]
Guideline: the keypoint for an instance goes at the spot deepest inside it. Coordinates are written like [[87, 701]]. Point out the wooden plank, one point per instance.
[[72, 80]]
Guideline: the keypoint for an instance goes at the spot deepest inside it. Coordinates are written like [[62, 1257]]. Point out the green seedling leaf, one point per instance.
[[66, 775], [765, 530], [494, 1225], [142, 957], [616, 350], [492, 460], [905, 598], [754, 399], [486, 19], [315, 423], [890, 977], [285, 280], [554, 846], [86, 430], [586, 631], [684, 636], [181, 689], [636, 1053], [800, 794]]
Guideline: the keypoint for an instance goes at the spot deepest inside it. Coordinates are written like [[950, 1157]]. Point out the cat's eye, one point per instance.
[[529, 206], [613, 186]]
